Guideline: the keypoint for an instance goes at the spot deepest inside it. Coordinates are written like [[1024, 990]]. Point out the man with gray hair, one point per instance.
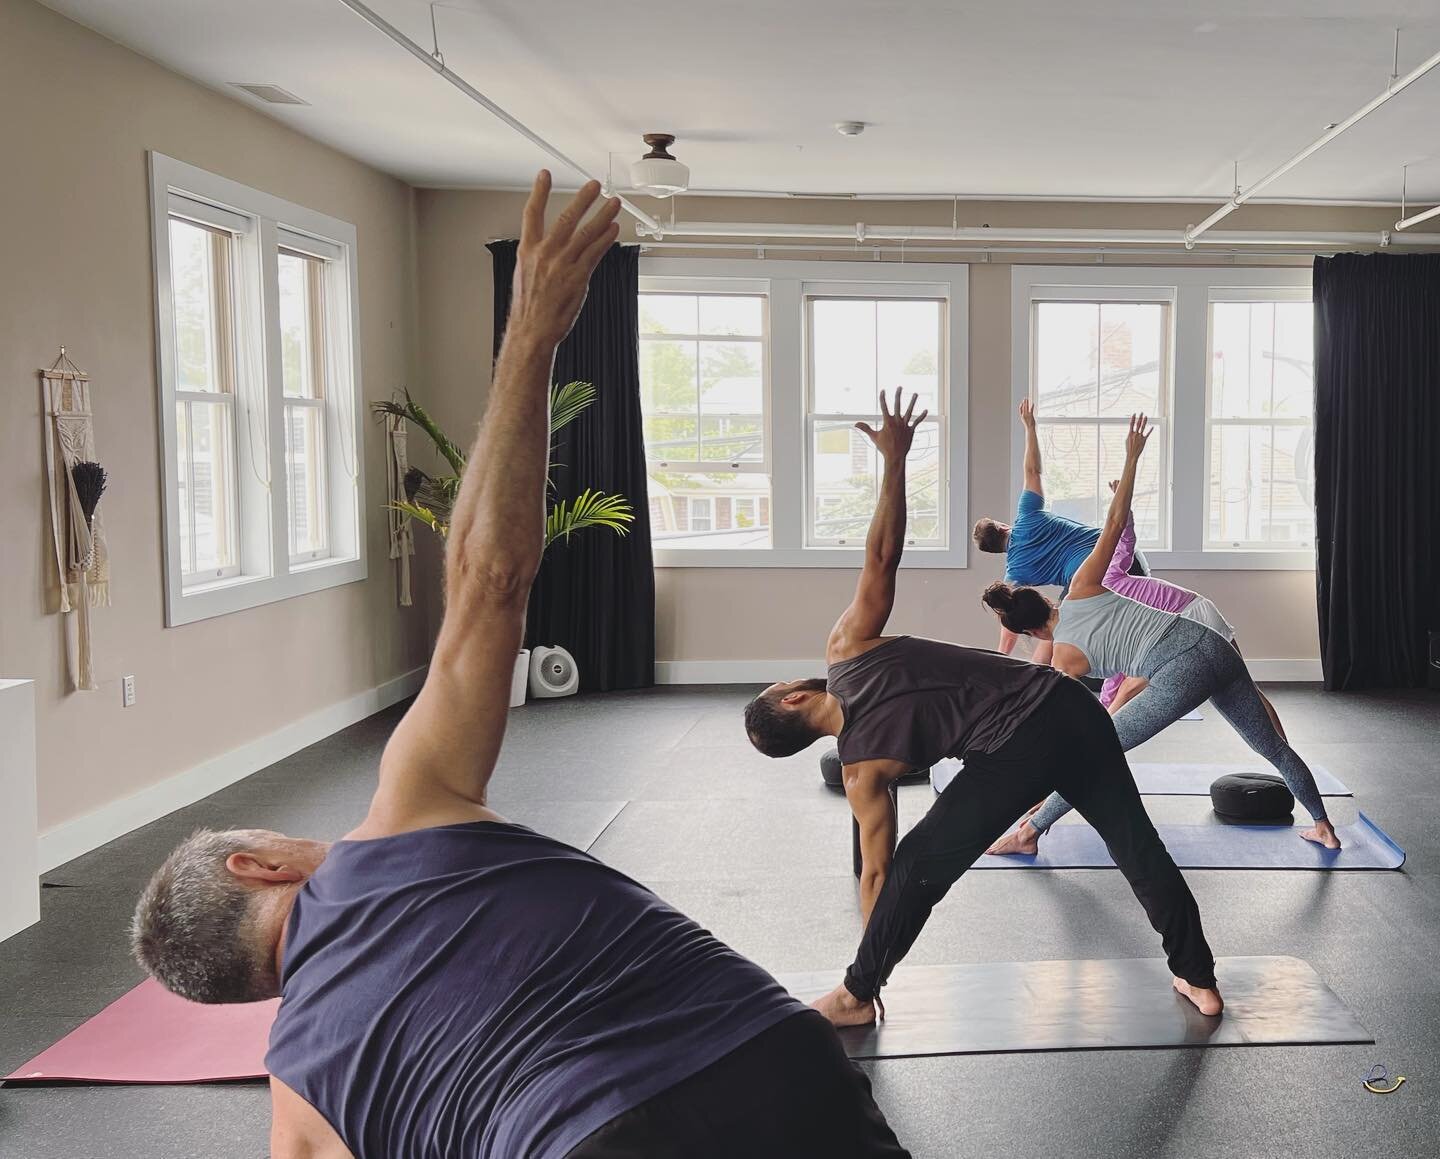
[[453, 984]]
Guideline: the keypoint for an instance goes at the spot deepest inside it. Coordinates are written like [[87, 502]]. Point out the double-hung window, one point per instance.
[[1260, 492], [1222, 362], [1094, 362], [703, 393], [202, 272], [259, 391], [302, 294], [753, 377], [859, 346]]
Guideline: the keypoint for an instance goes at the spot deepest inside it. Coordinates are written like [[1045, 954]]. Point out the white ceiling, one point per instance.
[[1099, 98]]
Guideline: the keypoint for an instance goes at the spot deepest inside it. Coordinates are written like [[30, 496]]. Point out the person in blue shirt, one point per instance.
[[1041, 549]]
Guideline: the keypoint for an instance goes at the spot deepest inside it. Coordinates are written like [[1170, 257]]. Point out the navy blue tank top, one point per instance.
[[479, 990]]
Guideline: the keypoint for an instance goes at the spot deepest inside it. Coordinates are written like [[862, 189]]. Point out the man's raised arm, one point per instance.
[[438, 763], [865, 618]]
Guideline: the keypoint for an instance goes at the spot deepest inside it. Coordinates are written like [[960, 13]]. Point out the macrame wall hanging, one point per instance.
[[402, 534], [80, 577]]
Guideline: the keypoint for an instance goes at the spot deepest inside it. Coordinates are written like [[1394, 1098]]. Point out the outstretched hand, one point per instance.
[[553, 266], [1027, 412], [1136, 438], [896, 431]]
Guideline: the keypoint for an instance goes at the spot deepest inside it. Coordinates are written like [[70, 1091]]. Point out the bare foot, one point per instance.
[[1024, 839], [1030, 812], [1206, 1001], [1322, 833], [843, 1009]]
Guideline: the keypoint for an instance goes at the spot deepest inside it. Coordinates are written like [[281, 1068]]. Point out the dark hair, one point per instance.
[[778, 731], [991, 536], [1021, 609]]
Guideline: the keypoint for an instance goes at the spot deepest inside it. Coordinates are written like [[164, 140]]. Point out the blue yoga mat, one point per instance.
[[1182, 780], [1219, 846]]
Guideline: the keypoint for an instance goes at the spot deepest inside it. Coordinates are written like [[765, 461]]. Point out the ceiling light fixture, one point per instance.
[[849, 128], [657, 173]]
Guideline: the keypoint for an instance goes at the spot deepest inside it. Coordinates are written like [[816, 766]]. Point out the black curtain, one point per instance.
[[1377, 466], [595, 595]]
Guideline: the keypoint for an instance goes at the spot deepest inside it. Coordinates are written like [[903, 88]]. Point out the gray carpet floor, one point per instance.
[[663, 785]]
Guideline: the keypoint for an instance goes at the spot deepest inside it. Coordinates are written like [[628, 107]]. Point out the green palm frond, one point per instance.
[[419, 511], [588, 509], [412, 411], [431, 498], [567, 402]]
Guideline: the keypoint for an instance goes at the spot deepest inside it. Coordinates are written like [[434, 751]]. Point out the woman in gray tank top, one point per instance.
[[1097, 632]]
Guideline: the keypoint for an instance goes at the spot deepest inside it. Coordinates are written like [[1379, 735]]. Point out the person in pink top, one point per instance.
[[1167, 597]]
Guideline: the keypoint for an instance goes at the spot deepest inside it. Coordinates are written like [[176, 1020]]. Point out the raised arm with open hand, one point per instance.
[[1089, 578], [1033, 479], [865, 618], [438, 763]]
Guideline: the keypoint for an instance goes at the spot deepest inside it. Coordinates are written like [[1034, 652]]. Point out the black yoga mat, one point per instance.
[[1004, 1007]]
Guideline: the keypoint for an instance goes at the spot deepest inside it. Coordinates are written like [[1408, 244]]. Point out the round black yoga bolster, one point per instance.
[[832, 772], [1251, 797]]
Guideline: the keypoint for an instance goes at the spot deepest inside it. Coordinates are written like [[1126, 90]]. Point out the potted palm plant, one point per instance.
[[431, 498]]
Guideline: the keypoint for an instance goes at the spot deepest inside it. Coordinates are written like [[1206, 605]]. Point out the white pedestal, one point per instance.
[[19, 866]]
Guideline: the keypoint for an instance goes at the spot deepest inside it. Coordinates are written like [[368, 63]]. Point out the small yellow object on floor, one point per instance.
[[1378, 1075]]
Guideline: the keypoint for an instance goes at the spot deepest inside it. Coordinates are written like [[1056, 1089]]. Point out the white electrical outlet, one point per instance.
[[127, 692]]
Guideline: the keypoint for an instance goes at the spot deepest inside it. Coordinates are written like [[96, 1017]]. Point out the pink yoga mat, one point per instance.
[[151, 1036]]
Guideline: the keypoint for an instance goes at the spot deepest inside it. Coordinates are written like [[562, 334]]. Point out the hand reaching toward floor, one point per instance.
[[896, 431], [553, 265]]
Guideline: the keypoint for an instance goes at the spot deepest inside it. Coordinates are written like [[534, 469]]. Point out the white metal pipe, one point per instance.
[[1396, 86], [869, 251], [375, 20], [1417, 218], [985, 235]]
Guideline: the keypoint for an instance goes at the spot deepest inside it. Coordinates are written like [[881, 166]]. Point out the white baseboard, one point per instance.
[[769, 671], [735, 671], [72, 838], [1273, 671]]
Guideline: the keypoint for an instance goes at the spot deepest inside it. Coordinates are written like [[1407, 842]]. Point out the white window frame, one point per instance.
[[261, 223], [1191, 290], [875, 291], [729, 287], [329, 255], [1242, 295], [786, 399], [238, 232]]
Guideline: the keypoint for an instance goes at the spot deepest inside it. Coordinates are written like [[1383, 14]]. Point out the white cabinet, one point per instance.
[[19, 873]]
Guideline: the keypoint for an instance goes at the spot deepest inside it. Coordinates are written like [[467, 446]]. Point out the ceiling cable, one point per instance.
[[435, 63]]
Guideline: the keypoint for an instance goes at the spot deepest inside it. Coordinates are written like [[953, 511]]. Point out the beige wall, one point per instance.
[[789, 611], [77, 115]]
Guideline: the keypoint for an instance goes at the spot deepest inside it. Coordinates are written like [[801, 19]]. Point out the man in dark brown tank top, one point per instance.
[[897, 703]]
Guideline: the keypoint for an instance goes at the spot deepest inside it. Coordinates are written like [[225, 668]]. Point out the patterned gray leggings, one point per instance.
[[1188, 665]]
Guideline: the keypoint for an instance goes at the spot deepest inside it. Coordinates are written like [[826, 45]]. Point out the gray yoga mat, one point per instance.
[[1184, 780], [1219, 846], [1003, 1007]]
